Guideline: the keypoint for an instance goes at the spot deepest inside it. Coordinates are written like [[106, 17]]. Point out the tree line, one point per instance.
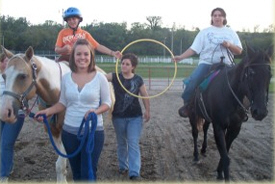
[[18, 34]]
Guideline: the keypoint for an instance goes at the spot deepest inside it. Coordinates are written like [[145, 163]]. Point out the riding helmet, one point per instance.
[[72, 12]]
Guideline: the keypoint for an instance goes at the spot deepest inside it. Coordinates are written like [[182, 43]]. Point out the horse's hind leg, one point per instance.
[[195, 140], [204, 144], [195, 133]]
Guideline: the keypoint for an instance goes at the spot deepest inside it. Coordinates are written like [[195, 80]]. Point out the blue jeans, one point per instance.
[[79, 163], [128, 132], [194, 80], [9, 134]]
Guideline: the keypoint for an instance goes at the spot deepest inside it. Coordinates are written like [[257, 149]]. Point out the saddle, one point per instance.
[[215, 70], [64, 58]]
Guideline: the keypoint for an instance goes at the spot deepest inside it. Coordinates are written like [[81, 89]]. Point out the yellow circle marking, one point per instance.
[[146, 40]]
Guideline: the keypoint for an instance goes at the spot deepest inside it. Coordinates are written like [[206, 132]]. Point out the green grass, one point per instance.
[[162, 70]]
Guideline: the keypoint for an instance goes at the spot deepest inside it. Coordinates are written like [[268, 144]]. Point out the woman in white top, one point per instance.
[[211, 44], [84, 90]]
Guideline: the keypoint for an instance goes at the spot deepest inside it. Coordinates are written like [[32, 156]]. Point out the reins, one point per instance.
[[235, 96]]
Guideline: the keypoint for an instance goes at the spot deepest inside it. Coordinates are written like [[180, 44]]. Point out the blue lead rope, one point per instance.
[[92, 117]]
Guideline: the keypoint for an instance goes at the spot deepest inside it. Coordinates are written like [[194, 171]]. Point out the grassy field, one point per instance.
[[162, 70]]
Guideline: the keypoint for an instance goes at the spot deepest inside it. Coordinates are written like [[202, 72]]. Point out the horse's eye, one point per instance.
[[22, 76], [251, 72]]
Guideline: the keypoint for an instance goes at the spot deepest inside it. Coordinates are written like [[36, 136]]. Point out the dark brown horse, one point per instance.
[[221, 103]]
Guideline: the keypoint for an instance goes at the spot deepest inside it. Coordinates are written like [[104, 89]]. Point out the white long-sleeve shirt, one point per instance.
[[78, 103], [2, 86]]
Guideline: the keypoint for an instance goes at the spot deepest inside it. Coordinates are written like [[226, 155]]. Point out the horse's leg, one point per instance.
[[223, 166], [193, 122], [204, 144], [61, 163], [233, 131]]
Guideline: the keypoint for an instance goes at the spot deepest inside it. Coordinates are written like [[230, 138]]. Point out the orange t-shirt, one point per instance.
[[66, 36]]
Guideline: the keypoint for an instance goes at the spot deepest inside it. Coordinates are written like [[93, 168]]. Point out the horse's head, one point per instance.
[[256, 78], [20, 84]]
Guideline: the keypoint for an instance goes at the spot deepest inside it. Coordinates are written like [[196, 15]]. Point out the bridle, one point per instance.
[[22, 97], [246, 75]]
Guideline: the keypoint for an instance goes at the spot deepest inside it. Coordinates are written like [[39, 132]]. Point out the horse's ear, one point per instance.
[[270, 51], [29, 53], [8, 53], [249, 50]]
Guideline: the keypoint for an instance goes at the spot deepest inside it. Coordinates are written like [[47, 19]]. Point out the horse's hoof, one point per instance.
[[196, 161], [204, 154], [220, 177]]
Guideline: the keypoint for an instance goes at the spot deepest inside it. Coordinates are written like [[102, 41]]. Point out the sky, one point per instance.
[[241, 14]]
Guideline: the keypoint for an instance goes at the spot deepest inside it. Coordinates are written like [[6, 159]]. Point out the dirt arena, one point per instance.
[[166, 148]]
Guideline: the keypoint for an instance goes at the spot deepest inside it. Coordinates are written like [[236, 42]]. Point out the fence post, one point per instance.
[[149, 70]]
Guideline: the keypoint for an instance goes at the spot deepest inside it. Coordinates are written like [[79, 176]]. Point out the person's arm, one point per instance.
[[189, 52], [105, 50], [56, 108], [60, 47], [146, 102], [233, 48], [66, 50], [109, 77]]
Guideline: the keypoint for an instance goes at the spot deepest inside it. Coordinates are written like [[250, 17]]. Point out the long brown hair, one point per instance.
[[72, 64]]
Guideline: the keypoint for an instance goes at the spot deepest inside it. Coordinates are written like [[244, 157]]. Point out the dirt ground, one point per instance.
[[166, 148]]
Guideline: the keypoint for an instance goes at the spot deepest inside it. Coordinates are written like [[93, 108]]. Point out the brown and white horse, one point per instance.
[[28, 75]]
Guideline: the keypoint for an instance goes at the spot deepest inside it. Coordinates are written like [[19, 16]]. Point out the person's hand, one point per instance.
[[146, 116], [226, 44], [88, 112], [176, 59], [40, 118], [117, 54], [67, 49]]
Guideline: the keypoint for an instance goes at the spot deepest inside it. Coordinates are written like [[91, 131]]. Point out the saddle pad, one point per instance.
[[205, 83]]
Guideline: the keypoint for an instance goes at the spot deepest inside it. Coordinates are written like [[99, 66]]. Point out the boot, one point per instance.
[[183, 111]]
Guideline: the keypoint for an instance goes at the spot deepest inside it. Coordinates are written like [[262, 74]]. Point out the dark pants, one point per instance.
[[79, 163]]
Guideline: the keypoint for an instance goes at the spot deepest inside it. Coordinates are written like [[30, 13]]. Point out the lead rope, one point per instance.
[[92, 117]]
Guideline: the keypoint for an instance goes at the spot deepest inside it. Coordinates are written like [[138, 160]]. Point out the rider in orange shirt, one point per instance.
[[68, 36]]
